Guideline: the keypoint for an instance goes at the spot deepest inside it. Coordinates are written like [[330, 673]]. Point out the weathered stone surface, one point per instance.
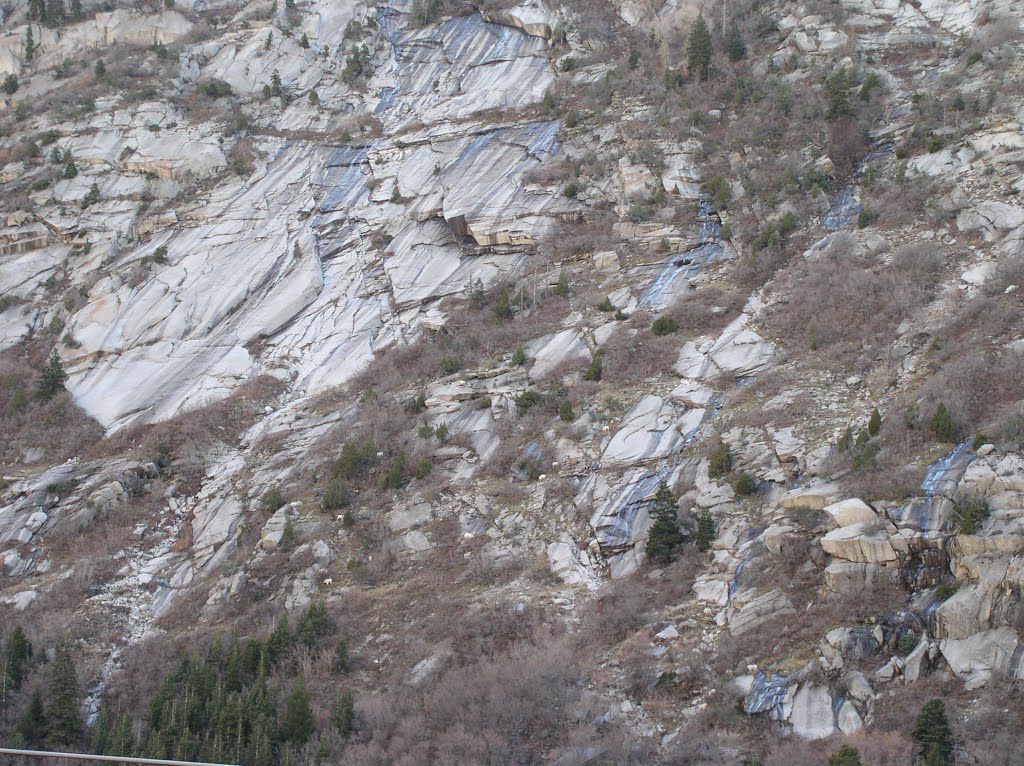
[[648, 432], [553, 351], [749, 609], [852, 511], [711, 589], [977, 658], [622, 520], [571, 565], [812, 717], [848, 720], [814, 496], [738, 351], [22, 601], [860, 543]]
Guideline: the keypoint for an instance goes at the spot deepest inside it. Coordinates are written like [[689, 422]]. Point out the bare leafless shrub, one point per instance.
[[243, 158], [629, 359], [921, 262], [792, 751], [626, 605], [847, 144], [513, 707], [59, 427], [707, 310], [1009, 271], [978, 388], [902, 201], [180, 444], [576, 237], [845, 307], [795, 635], [997, 32], [640, 670], [891, 748]]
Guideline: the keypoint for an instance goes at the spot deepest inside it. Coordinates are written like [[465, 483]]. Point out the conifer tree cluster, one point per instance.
[[239, 701], [51, 721]]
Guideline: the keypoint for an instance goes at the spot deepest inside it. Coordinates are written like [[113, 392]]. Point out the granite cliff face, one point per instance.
[[465, 284]]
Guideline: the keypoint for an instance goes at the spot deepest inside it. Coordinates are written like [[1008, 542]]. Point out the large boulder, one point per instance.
[[750, 609], [977, 658], [852, 511], [813, 716], [860, 543]]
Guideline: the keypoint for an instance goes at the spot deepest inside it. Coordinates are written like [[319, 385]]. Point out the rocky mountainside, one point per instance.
[[514, 381]]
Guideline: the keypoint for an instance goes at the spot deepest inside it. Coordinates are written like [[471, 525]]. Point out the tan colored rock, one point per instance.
[[816, 497], [852, 511], [861, 543]]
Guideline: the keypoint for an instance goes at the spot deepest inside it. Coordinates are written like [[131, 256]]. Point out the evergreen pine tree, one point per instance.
[[280, 641], [339, 660], [565, 412], [698, 49], [297, 722], [845, 441], [737, 48], [17, 654], [100, 738], [30, 45], [875, 422], [314, 624], [275, 83], [70, 169], [261, 749], [720, 462], [55, 13], [942, 425], [51, 380], [837, 88], [76, 9], [31, 728], [343, 714], [562, 287], [91, 197], [100, 70], [705, 534], [122, 737], [934, 757], [233, 669], [63, 715], [253, 658], [287, 536], [665, 536], [933, 734]]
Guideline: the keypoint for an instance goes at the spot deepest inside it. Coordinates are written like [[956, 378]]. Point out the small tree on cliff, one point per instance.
[[665, 536]]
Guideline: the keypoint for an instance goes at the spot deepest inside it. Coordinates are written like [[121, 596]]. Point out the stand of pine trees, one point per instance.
[[225, 705]]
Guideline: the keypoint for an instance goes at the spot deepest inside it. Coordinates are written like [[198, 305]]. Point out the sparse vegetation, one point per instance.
[[720, 461]]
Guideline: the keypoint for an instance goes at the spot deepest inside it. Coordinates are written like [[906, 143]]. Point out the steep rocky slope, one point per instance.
[[411, 308]]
